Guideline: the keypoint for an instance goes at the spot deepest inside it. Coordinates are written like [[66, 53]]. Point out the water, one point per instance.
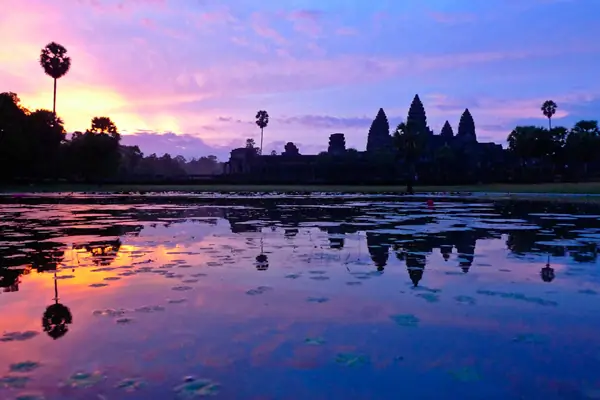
[[327, 296]]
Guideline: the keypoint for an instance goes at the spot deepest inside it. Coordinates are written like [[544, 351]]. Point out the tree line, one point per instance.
[[34, 144]]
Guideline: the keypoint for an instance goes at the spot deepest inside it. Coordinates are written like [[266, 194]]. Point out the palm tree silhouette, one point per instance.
[[262, 120], [57, 317], [56, 64], [549, 109]]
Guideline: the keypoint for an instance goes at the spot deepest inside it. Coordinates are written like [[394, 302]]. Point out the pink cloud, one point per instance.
[[307, 22], [260, 25]]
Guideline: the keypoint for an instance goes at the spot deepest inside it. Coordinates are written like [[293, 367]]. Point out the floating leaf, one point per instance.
[[14, 381], [319, 278], [407, 320], [258, 290], [130, 384], [109, 312], [112, 278], [123, 321], [176, 301], [353, 283], [317, 299], [429, 297], [292, 276], [25, 366], [18, 336], [192, 388], [150, 309], [465, 300], [350, 359], [181, 288], [531, 338], [84, 379], [98, 285], [316, 341]]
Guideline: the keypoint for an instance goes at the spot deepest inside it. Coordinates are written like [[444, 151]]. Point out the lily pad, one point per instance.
[[193, 388], [25, 366], [84, 379], [316, 341], [429, 297], [292, 276], [176, 301], [258, 290], [319, 278], [98, 285], [18, 336], [531, 338], [109, 312], [181, 288], [130, 384], [407, 320], [351, 360], [149, 309], [317, 299], [12, 382], [465, 300]]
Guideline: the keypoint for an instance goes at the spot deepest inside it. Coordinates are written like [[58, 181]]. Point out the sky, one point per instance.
[[188, 76]]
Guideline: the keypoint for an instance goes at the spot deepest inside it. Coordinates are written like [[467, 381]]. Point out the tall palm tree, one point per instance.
[[56, 64], [549, 109], [262, 120]]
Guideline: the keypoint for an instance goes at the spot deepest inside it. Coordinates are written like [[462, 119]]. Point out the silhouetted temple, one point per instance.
[[443, 158]]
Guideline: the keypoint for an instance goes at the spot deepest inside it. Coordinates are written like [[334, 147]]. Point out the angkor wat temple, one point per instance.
[[444, 158]]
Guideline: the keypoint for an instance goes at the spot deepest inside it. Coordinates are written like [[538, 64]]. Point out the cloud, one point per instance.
[[260, 24], [326, 121], [187, 145], [307, 22]]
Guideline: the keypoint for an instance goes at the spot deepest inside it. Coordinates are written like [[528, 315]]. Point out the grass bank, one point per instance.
[[589, 188]]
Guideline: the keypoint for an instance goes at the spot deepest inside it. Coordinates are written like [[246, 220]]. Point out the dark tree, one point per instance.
[[447, 132], [56, 64], [549, 109], [291, 150], [262, 120], [379, 138], [466, 126], [409, 142]]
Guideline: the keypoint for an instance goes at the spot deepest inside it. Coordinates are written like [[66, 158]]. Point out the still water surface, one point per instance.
[[173, 296]]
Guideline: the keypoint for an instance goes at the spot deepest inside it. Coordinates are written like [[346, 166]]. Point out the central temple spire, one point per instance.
[[417, 118]]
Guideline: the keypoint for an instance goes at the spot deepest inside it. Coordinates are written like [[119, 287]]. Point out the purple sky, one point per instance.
[[187, 76]]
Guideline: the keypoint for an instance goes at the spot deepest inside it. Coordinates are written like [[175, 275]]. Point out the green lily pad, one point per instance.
[[193, 388], [84, 379], [351, 360], [11, 382], [316, 341], [130, 384], [407, 320], [25, 366], [429, 297], [465, 300]]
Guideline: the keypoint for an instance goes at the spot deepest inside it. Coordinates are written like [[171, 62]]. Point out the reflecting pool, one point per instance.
[[320, 296]]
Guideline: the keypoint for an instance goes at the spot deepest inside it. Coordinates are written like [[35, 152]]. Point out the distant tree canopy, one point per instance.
[[35, 146]]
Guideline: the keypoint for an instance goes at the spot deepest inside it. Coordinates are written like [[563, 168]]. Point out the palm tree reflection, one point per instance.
[[547, 273], [262, 261], [57, 317]]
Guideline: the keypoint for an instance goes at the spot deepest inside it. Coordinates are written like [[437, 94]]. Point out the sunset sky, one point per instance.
[[187, 76]]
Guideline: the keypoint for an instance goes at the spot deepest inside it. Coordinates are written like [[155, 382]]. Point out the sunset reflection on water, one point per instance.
[[271, 297]]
